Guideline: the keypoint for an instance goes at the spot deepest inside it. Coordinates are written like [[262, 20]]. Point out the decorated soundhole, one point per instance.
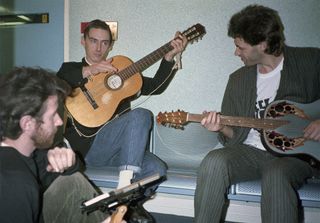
[[284, 108], [282, 142]]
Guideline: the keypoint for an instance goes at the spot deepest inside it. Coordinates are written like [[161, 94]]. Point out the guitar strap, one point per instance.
[[94, 134], [178, 63]]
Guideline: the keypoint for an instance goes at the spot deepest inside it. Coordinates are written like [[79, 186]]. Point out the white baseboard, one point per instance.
[[238, 211], [183, 206]]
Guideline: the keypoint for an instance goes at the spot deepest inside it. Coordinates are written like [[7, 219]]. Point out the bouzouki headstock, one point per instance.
[[174, 119]]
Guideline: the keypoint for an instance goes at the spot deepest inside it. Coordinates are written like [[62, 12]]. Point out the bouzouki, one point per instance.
[[281, 127], [96, 100]]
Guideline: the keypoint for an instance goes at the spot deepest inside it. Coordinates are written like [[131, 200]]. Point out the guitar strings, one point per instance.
[[133, 68]]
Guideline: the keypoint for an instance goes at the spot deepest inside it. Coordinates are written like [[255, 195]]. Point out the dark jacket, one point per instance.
[[300, 82], [23, 181], [72, 73]]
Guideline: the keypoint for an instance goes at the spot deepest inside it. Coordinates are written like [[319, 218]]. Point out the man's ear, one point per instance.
[[111, 46], [27, 123], [263, 46], [82, 41]]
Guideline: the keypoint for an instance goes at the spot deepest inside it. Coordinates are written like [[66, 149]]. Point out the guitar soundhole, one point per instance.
[[281, 109], [282, 142], [113, 82], [279, 141], [272, 114]]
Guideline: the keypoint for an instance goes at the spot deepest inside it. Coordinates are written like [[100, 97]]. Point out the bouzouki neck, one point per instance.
[[180, 118], [283, 127]]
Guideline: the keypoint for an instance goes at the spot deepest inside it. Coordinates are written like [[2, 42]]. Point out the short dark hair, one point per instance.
[[97, 24], [257, 23], [24, 91]]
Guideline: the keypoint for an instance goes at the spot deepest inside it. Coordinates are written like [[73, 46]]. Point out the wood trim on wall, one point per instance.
[[66, 55]]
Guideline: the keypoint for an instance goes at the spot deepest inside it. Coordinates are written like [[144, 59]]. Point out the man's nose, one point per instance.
[[99, 47], [59, 121], [236, 52]]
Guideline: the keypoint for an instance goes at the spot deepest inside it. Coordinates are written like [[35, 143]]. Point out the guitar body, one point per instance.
[[106, 99], [288, 139]]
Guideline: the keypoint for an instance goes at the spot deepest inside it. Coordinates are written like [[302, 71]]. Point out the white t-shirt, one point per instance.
[[267, 87]]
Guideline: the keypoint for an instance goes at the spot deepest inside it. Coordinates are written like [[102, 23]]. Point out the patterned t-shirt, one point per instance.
[[267, 87]]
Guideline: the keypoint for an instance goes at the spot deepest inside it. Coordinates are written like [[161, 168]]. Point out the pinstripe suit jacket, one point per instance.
[[300, 82]]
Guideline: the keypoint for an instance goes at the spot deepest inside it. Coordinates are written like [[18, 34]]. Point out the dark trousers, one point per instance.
[[280, 178], [62, 201]]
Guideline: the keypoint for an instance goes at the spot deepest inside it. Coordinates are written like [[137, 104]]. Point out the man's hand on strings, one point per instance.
[[104, 66]]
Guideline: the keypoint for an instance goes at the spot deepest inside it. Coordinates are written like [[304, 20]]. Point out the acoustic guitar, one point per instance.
[[281, 127], [96, 100]]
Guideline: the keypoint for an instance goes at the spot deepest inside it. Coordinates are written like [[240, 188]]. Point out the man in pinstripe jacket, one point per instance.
[[272, 71]]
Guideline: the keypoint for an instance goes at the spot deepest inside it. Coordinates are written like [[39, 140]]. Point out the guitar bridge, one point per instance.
[[89, 97]]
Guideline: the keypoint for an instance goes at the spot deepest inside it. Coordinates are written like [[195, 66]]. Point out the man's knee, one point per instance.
[[142, 116], [74, 182], [214, 159]]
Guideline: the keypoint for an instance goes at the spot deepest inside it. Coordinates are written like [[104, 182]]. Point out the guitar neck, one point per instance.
[[145, 62], [241, 121], [191, 34], [151, 58]]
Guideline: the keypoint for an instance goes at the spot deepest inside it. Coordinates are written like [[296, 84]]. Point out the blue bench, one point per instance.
[[183, 152]]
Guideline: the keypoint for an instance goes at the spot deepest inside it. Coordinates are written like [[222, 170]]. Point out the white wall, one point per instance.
[[145, 25]]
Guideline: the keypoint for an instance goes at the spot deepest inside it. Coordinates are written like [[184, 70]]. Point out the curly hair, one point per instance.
[[24, 91], [255, 24]]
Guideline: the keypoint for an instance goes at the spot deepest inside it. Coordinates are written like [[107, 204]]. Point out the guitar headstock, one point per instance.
[[195, 32], [173, 119]]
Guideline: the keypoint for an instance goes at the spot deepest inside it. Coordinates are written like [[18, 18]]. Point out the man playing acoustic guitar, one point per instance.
[[123, 141], [272, 71]]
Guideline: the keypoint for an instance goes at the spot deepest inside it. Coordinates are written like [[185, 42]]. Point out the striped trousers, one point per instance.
[[280, 178]]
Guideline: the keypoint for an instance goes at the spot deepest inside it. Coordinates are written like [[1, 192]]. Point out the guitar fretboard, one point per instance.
[[145, 62]]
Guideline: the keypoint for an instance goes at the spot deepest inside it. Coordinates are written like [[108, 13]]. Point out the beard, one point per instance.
[[42, 138]]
